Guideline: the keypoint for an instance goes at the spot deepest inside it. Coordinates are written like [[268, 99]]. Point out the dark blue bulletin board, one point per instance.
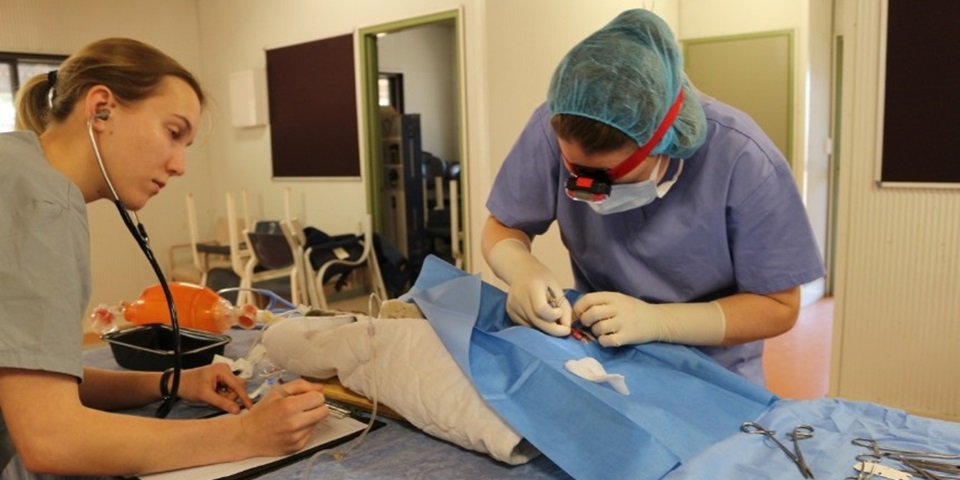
[[921, 119], [313, 109]]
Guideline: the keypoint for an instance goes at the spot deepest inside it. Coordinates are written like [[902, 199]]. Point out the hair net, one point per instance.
[[627, 75]]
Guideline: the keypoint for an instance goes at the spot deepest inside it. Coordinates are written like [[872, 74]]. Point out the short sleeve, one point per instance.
[[524, 193]]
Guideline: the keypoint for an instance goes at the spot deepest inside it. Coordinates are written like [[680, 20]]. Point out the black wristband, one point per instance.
[[164, 390]]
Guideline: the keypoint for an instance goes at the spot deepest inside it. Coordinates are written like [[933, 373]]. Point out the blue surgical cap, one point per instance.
[[627, 75]]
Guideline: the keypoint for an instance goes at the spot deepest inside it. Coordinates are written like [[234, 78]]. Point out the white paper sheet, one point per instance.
[[330, 429]]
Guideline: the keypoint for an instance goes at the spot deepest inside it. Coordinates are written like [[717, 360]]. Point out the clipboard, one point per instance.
[[257, 466]]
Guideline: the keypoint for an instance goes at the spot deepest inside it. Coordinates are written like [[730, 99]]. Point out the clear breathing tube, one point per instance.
[[140, 235], [340, 454]]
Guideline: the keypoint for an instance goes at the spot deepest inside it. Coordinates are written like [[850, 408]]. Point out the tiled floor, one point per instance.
[[797, 363]]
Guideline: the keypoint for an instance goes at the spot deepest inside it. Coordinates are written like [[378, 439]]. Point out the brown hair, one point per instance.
[[592, 136], [131, 69]]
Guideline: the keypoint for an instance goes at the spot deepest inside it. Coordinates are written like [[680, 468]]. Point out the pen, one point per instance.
[[338, 412], [269, 384]]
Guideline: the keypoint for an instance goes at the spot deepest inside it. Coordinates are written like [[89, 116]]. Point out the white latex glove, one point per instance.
[[530, 281], [617, 319]]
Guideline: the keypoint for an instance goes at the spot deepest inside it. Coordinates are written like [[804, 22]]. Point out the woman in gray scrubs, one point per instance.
[[112, 123]]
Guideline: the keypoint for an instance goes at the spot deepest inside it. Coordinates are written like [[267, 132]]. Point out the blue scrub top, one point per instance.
[[733, 222]]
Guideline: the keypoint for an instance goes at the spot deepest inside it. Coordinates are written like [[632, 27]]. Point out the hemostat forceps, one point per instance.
[[925, 464], [881, 450], [800, 432]]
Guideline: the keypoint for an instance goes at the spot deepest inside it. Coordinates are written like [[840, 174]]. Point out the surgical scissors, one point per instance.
[[800, 432]]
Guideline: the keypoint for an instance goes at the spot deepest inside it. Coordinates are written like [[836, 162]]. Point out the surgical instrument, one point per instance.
[[800, 432], [867, 466], [878, 449], [926, 464], [870, 470], [929, 469], [552, 298], [581, 334]]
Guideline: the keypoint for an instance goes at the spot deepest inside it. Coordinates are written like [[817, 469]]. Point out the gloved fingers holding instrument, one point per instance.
[[535, 297], [617, 319]]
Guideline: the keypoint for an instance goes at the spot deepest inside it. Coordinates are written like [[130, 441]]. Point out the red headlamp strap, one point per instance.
[[643, 152]]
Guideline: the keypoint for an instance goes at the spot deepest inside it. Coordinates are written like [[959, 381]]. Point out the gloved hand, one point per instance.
[[617, 319], [530, 281]]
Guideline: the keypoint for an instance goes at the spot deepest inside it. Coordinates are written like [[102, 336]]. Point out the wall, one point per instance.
[[526, 40], [810, 22], [898, 254], [509, 59], [241, 157], [511, 49], [61, 26], [426, 58]]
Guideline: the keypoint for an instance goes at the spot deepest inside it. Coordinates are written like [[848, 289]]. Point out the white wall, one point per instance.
[[810, 20], [234, 35], [526, 40], [426, 56]]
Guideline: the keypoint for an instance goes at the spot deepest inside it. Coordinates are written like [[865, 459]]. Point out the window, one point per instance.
[[15, 70], [390, 86]]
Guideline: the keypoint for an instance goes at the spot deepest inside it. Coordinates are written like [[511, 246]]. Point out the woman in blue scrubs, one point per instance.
[[681, 218]]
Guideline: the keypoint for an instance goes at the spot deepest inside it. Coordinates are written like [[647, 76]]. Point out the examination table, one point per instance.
[[394, 451], [399, 450]]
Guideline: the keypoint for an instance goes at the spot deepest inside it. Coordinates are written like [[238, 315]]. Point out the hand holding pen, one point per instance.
[[282, 421]]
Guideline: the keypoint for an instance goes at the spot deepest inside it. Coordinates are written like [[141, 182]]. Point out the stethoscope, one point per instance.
[[140, 235]]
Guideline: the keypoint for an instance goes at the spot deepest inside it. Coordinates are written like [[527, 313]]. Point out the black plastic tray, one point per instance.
[[150, 347]]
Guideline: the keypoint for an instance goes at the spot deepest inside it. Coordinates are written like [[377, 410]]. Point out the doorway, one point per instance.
[[413, 123]]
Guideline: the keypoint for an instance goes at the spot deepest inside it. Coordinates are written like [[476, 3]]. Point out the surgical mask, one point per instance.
[[629, 196]]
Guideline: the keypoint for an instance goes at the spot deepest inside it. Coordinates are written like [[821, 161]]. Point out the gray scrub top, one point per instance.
[[44, 265], [733, 222]]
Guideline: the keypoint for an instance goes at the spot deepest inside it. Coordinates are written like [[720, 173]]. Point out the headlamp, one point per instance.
[[587, 184]]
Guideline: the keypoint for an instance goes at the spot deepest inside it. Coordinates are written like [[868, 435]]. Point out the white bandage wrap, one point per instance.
[[415, 376]]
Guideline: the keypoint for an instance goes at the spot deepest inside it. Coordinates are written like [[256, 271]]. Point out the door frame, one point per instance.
[[370, 113]]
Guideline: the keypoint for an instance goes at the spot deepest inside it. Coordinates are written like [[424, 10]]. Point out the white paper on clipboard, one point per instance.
[[330, 429]]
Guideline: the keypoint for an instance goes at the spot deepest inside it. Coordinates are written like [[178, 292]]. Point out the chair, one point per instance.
[[205, 255], [442, 226], [296, 240], [321, 263], [270, 259]]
